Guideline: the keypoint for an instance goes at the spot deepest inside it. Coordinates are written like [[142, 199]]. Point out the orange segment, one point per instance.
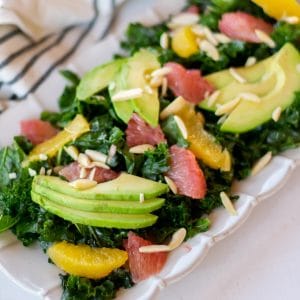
[[280, 8], [74, 129], [184, 42], [85, 261], [202, 143]]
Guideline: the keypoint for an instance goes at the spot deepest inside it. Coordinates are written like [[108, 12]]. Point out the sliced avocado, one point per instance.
[[284, 81], [252, 74], [144, 62], [125, 187], [233, 89], [123, 109], [97, 79], [123, 207], [131, 76], [108, 220]]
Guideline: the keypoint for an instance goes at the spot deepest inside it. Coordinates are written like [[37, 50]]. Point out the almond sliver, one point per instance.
[[140, 149], [261, 163], [177, 239], [83, 184], [96, 155], [227, 107], [228, 204]]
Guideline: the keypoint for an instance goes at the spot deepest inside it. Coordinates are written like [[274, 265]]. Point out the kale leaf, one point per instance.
[[77, 288], [156, 163]]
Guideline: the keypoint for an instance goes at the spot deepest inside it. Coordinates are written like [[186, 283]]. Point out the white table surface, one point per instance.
[[259, 261]]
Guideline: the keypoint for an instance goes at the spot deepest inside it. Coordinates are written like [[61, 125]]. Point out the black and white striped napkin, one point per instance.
[[38, 36]]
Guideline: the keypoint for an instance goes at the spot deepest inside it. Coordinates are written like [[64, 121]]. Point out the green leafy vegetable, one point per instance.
[[77, 288], [156, 163]]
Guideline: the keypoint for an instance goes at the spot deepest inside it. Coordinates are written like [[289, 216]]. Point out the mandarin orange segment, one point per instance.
[[85, 261], [280, 8], [202, 144]]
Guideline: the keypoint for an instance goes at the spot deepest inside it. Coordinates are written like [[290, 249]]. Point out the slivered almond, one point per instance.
[[261, 163], [210, 36], [164, 87], [57, 169], [265, 38], [148, 89], [31, 172], [92, 174], [290, 19], [127, 95], [213, 98], [177, 239], [99, 164], [156, 81], [171, 185], [222, 119], [227, 107], [140, 149], [198, 30], [43, 156], [209, 49], [83, 184], [111, 152], [183, 19], [173, 107], [164, 40], [84, 160], [227, 161], [72, 151], [228, 204], [251, 60], [12, 175], [181, 126], [42, 171], [233, 72], [222, 38], [249, 97], [83, 173], [276, 113], [49, 172], [96, 155], [161, 72], [142, 197]]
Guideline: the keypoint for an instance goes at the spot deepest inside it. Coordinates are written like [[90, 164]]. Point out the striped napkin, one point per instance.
[[39, 36]]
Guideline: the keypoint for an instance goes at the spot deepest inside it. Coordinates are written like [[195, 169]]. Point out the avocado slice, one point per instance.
[[233, 89], [123, 109], [131, 76], [282, 80], [252, 74], [125, 187], [108, 220], [147, 106], [97, 79], [123, 207]]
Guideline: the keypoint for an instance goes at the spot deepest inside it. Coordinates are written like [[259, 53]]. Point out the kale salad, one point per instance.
[[146, 146]]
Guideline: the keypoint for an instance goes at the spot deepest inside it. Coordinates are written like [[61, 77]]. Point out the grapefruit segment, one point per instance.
[[186, 173], [138, 132], [241, 26], [187, 83], [37, 131], [142, 265]]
